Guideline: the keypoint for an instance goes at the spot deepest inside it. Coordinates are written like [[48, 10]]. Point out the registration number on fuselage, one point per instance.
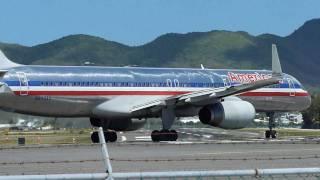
[[43, 98]]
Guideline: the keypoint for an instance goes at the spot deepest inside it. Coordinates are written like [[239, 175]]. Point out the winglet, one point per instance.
[[276, 66], [5, 62]]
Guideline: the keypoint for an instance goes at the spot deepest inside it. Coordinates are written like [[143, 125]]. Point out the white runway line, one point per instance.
[[180, 142], [123, 138], [259, 151], [207, 136], [143, 138]]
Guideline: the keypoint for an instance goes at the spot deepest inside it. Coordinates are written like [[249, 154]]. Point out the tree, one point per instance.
[[311, 116]]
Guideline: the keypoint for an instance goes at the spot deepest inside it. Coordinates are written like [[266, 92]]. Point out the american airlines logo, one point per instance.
[[247, 77]]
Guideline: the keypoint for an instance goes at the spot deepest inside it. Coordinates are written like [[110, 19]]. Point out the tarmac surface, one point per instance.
[[197, 149]]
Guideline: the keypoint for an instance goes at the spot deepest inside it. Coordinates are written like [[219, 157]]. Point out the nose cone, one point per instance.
[[308, 101], [302, 101]]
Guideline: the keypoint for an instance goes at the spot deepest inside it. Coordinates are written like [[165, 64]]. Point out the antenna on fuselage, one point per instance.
[[276, 66]]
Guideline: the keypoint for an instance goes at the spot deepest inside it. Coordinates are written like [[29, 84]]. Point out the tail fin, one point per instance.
[[276, 66], [5, 63]]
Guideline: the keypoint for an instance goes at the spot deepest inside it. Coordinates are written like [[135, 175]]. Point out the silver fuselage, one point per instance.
[[76, 91]]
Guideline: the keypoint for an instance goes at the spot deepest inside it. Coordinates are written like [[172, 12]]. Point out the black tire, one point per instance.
[[165, 135], [273, 134], [155, 136], [267, 134], [174, 135], [113, 136], [106, 136], [95, 137]]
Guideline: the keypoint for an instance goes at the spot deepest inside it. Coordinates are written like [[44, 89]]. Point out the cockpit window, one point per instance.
[[295, 82]]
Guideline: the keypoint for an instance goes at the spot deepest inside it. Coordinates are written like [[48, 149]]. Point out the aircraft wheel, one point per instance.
[[113, 136], [155, 136], [165, 135], [174, 135], [273, 134], [110, 136], [267, 134], [95, 137]]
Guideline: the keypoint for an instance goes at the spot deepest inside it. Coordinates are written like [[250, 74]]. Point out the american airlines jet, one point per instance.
[[122, 98]]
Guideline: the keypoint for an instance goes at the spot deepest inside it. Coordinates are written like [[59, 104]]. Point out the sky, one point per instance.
[[136, 22]]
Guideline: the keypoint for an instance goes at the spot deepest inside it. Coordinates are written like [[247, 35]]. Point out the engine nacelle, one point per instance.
[[127, 124], [228, 114]]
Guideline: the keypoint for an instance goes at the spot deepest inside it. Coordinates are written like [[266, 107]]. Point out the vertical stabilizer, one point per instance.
[[276, 66], [5, 63]]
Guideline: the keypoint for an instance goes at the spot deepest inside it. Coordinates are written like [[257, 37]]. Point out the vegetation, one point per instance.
[[285, 132], [311, 116], [79, 136]]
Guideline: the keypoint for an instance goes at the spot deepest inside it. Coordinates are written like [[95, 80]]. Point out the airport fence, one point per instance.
[[290, 173], [282, 173]]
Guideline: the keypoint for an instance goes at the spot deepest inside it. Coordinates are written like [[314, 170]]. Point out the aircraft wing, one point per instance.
[[209, 96], [229, 91], [204, 97]]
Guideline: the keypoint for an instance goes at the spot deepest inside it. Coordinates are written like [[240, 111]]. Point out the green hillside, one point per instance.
[[299, 52]]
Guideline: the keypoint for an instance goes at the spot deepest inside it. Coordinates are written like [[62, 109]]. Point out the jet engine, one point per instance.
[[228, 114], [128, 124]]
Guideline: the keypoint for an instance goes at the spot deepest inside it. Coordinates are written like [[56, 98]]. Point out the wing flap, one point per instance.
[[159, 102], [203, 97]]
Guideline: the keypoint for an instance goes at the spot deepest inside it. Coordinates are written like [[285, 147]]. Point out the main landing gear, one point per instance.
[[164, 135], [110, 135], [271, 133], [167, 117]]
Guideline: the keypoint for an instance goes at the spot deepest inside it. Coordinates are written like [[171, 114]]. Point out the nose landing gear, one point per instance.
[[271, 133]]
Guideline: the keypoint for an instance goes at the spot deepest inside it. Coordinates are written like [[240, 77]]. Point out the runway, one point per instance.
[[135, 152]]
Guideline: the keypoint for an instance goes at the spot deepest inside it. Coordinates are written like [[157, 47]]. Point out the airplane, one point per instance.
[[122, 98]]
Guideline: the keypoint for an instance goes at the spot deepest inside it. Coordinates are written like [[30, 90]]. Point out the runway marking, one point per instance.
[[180, 142], [143, 138], [207, 135], [123, 138], [198, 135], [246, 152]]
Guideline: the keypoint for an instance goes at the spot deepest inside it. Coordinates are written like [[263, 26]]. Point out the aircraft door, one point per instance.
[[169, 83], [292, 88], [176, 83], [226, 81], [24, 83]]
